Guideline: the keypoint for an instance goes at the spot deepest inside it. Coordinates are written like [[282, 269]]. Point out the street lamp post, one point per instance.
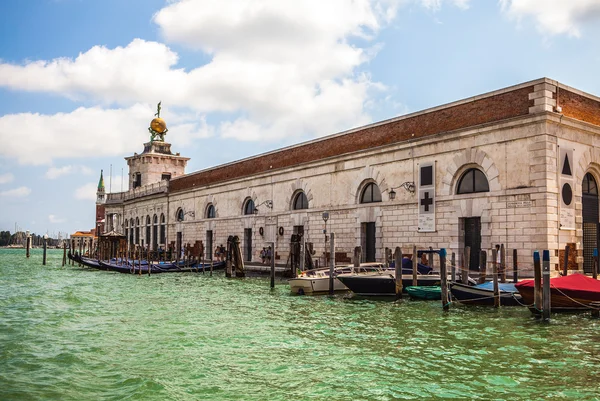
[[325, 218]]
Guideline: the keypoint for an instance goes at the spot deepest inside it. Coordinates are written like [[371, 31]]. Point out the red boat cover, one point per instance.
[[574, 282]]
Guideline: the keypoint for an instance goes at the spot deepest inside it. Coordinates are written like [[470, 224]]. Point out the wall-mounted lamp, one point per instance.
[[268, 203], [409, 186]]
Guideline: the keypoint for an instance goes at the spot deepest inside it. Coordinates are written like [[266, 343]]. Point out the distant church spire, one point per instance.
[[101, 182], [101, 190]]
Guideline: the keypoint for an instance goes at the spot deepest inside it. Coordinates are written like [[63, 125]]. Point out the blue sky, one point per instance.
[[80, 79]]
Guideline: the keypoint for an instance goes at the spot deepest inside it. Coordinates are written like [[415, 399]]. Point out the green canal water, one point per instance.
[[79, 334]]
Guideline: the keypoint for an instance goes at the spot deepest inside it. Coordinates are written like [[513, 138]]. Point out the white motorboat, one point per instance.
[[316, 281]]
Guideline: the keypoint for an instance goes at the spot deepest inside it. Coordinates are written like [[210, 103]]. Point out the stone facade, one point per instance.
[[513, 136]]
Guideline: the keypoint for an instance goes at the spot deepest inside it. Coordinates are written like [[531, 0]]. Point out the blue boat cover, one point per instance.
[[489, 285]]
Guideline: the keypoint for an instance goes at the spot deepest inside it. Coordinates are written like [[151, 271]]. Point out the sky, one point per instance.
[[80, 79]]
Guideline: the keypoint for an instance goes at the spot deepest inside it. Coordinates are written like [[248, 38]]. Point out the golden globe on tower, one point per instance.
[[158, 127]]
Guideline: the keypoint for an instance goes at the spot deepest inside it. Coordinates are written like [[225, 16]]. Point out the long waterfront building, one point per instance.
[[518, 166]]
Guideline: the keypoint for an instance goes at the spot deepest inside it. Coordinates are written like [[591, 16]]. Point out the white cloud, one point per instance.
[[54, 219], [55, 172], [6, 178], [284, 69], [555, 17], [83, 133], [436, 5], [87, 192], [21, 192]]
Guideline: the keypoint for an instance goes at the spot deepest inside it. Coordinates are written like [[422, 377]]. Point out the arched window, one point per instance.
[[127, 230], [179, 214], [155, 232], [249, 207], [137, 230], [472, 181], [148, 232], [131, 232], [301, 201], [210, 212], [163, 232], [589, 186], [370, 194]]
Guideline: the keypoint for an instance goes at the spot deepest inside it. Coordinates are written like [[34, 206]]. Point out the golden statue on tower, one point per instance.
[[158, 127]]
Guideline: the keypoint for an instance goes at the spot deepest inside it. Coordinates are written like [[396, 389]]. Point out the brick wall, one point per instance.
[[579, 107], [489, 109]]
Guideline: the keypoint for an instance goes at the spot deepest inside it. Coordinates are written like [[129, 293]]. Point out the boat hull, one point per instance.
[[384, 284], [158, 268], [561, 301], [314, 285], [429, 293], [573, 293], [470, 295]]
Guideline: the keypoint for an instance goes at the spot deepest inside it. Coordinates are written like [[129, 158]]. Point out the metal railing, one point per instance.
[[151, 189]]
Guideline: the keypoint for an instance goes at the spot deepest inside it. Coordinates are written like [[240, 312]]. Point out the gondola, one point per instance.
[[157, 268]]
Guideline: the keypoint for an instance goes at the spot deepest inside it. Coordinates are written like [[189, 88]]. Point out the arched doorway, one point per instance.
[[589, 200]]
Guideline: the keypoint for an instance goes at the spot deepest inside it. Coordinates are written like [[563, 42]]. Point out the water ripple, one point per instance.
[[74, 333]]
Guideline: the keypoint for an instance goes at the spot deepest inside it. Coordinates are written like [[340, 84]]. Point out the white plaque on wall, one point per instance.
[[566, 189]]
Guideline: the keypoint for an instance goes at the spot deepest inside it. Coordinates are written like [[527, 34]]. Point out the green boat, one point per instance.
[[425, 292]]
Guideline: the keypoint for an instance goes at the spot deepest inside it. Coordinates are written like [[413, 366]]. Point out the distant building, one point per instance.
[[84, 240], [518, 166]]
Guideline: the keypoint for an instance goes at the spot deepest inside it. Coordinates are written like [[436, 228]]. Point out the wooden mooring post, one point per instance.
[[356, 257], [28, 245], [272, 265], [595, 305], [64, 261], [453, 267], [515, 267], [502, 264], [537, 281], [595, 271], [387, 257], [566, 261], [495, 277], [398, 270], [464, 274], [45, 247], [228, 257], [414, 266], [239, 259], [331, 262], [546, 285], [444, 280], [482, 266]]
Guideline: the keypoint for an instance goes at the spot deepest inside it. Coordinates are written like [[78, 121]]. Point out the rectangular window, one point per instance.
[[426, 176], [166, 177], [137, 180]]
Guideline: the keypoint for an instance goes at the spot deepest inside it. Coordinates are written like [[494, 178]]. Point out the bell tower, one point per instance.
[[100, 201], [156, 163]]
